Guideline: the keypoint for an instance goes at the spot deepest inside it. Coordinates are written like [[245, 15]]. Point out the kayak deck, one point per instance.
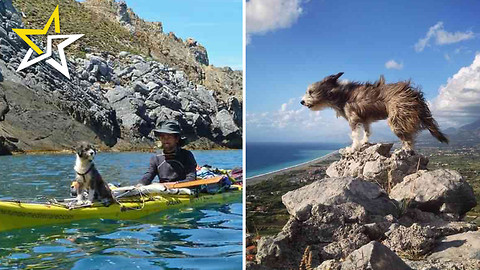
[[16, 215]]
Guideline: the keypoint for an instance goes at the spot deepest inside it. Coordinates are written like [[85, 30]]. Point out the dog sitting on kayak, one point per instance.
[[88, 180]]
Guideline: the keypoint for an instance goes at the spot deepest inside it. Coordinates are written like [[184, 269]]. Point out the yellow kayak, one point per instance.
[[16, 215]]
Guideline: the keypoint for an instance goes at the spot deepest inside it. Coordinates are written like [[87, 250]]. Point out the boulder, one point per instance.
[[224, 121], [235, 107], [458, 247], [332, 191], [140, 88], [415, 240], [439, 191], [152, 86], [374, 256]]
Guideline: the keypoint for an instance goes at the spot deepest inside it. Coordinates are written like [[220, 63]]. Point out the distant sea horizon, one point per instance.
[[267, 157]]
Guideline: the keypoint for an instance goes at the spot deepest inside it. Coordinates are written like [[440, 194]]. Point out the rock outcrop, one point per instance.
[[376, 163], [187, 55], [351, 222]]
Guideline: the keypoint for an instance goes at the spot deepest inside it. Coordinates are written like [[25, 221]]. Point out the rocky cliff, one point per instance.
[[349, 221], [122, 86]]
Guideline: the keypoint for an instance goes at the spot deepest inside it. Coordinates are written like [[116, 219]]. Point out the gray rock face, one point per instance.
[[439, 191], [122, 14], [166, 94], [173, 86], [375, 163], [4, 106], [236, 107], [331, 231], [374, 256], [331, 191]]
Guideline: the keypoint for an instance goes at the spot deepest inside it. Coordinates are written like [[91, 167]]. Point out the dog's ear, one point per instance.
[[75, 149], [335, 77]]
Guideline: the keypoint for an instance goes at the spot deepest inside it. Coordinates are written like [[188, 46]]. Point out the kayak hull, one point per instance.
[[16, 215]]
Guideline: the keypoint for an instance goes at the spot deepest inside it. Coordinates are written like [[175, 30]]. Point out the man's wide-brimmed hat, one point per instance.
[[170, 127]]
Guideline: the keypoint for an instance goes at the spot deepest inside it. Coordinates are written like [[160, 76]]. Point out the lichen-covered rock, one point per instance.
[[439, 191], [414, 241]]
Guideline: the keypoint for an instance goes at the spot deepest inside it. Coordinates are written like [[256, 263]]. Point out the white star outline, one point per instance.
[[62, 68]]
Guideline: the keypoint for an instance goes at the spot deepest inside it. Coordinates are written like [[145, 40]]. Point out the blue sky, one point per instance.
[[293, 43], [216, 24]]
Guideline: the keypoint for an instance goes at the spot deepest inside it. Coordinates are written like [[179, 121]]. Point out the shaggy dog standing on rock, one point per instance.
[[364, 103]]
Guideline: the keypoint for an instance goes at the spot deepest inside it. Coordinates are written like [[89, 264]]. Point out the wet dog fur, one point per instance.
[[361, 104], [88, 179]]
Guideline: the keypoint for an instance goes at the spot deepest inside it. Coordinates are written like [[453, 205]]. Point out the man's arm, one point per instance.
[[151, 173], [190, 167]]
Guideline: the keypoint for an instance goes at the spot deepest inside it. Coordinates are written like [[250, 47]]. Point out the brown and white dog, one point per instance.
[[88, 179], [363, 103]]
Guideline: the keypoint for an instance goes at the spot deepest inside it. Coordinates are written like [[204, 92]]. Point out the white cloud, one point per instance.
[[458, 101], [441, 37], [268, 15], [392, 64], [286, 117]]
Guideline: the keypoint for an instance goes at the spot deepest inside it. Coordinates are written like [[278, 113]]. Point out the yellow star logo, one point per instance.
[[24, 32]]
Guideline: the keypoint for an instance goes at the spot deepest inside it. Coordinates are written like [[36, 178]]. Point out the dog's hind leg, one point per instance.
[[405, 133], [366, 134]]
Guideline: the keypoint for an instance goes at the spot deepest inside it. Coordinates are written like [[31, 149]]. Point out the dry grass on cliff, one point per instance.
[[100, 33]]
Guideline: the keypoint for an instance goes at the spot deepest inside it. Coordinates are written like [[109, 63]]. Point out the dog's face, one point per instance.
[[86, 151], [317, 95]]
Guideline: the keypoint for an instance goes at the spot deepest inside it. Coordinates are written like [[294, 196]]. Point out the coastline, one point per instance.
[[265, 176]]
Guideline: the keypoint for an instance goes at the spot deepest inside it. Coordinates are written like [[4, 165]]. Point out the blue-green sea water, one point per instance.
[[266, 157], [202, 238]]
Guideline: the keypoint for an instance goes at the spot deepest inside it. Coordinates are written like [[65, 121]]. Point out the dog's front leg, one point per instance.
[[366, 134], [355, 138], [79, 188]]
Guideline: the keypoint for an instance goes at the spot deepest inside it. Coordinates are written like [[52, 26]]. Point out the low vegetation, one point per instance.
[[266, 215], [101, 34]]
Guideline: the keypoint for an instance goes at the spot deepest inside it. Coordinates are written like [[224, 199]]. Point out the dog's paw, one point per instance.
[[349, 150], [79, 202]]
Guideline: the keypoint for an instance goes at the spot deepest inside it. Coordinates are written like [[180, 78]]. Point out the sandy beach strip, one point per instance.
[[262, 177]]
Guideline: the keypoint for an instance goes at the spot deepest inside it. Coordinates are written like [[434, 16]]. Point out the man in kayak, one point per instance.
[[173, 164]]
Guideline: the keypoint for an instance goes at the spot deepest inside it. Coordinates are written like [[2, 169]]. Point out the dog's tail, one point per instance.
[[429, 123]]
